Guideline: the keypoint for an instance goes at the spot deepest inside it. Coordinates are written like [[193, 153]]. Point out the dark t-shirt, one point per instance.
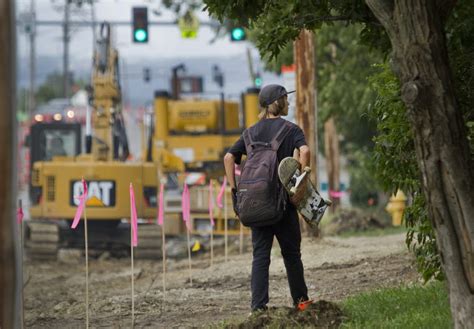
[[264, 131]]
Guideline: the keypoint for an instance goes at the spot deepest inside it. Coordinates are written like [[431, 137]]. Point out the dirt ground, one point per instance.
[[334, 269]]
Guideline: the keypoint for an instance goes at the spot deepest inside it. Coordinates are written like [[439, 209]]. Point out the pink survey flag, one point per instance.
[[221, 193], [211, 204], [336, 194], [186, 206], [82, 204], [133, 217], [161, 205], [19, 215]]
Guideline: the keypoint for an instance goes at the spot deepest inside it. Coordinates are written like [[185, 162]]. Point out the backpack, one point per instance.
[[261, 199]]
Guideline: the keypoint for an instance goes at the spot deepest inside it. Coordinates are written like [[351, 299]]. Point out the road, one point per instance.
[[334, 269]]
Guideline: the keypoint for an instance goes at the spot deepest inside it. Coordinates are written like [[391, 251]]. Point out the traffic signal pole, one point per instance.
[[32, 36], [9, 252], [66, 50]]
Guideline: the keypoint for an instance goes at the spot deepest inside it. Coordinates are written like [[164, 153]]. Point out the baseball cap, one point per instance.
[[271, 93]]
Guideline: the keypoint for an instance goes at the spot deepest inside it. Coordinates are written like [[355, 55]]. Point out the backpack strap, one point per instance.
[[280, 136], [274, 143], [248, 140]]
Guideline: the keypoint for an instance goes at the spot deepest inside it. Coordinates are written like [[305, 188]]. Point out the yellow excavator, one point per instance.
[[56, 183], [190, 135]]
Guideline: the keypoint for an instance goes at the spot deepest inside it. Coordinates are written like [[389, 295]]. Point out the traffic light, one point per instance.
[[146, 74], [237, 34], [140, 24], [217, 76], [258, 80]]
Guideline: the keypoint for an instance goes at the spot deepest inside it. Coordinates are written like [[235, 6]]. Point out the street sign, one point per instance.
[[188, 25]]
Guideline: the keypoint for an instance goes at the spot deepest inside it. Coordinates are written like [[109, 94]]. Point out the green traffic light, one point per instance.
[[258, 82], [140, 35], [238, 34]]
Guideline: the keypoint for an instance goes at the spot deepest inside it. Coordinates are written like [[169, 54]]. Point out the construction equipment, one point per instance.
[[56, 182], [201, 131], [185, 134]]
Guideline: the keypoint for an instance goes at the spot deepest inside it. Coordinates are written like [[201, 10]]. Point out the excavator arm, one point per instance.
[[110, 140]]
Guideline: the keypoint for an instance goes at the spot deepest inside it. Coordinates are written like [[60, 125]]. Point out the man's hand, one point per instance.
[[304, 156], [234, 200], [229, 166]]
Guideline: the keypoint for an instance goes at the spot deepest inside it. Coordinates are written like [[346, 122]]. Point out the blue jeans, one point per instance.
[[288, 234]]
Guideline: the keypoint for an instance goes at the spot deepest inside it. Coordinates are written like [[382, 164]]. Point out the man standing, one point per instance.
[[273, 100]]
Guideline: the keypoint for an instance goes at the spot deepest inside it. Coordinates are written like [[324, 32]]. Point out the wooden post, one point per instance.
[[132, 278], [306, 112], [331, 148], [306, 93], [86, 251], [9, 260], [331, 151]]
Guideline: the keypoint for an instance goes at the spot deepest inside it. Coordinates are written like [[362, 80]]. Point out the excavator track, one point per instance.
[[42, 240], [149, 242]]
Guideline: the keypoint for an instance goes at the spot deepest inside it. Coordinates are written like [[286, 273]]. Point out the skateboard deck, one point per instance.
[[303, 195]]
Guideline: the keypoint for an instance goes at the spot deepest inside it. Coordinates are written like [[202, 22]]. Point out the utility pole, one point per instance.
[[250, 64], [66, 49], [306, 112], [32, 31], [9, 251], [93, 23]]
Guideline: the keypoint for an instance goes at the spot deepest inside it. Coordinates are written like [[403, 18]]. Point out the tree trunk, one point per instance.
[[416, 31], [306, 96], [331, 152], [8, 299]]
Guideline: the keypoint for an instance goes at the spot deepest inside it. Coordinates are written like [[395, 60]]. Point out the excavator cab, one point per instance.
[[49, 140]]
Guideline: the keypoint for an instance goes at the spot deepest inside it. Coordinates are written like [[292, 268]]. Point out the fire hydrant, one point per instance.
[[396, 206]]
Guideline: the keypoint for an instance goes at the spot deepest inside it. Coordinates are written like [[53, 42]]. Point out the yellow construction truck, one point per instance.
[[192, 134], [200, 131]]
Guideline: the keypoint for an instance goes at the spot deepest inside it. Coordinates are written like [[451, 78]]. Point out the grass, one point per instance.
[[406, 307], [412, 307]]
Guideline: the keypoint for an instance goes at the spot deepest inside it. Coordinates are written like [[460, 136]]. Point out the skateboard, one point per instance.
[[303, 195]]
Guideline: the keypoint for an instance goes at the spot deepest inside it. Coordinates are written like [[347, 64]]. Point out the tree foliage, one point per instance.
[[277, 24], [52, 87], [343, 65], [394, 164], [394, 155]]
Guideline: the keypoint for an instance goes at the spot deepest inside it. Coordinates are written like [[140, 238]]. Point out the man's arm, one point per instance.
[[229, 164], [304, 156]]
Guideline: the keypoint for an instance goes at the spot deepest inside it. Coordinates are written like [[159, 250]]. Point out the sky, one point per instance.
[[164, 41], [164, 49]]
